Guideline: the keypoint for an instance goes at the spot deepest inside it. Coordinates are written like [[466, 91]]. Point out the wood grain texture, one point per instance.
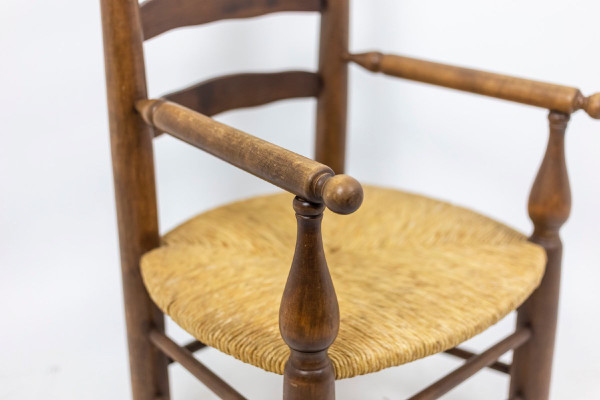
[[309, 316], [246, 90], [290, 171], [473, 365], [159, 16], [541, 94], [133, 169], [549, 209], [330, 141], [466, 355], [186, 359]]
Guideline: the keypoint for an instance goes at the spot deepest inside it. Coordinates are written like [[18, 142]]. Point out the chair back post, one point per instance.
[[549, 208], [133, 169], [309, 316], [330, 147]]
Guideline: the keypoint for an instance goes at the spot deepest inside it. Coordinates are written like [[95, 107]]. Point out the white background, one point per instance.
[[62, 333]]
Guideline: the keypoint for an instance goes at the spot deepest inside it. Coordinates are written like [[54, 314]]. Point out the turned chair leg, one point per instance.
[[549, 207], [309, 315]]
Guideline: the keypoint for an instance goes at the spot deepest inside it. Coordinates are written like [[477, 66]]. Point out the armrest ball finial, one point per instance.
[[592, 105], [342, 194]]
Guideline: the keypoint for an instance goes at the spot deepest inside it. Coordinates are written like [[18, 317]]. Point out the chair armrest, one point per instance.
[[308, 179], [540, 94]]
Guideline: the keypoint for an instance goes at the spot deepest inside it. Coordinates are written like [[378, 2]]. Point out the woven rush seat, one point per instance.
[[414, 276]]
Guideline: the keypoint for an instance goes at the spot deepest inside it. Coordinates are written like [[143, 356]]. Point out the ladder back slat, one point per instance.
[[246, 90], [159, 16]]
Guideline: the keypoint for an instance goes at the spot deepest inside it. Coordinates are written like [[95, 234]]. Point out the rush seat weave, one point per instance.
[[414, 276]]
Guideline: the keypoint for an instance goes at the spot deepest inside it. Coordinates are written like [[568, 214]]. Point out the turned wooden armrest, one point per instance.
[[541, 94], [308, 179]]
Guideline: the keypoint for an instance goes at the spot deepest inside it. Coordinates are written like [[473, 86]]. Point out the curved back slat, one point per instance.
[[159, 16], [246, 90]]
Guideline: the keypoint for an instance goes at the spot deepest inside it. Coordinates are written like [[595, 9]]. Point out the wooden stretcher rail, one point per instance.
[[159, 16], [466, 355], [308, 179], [473, 365], [192, 347], [195, 367], [230, 92], [541, 94]]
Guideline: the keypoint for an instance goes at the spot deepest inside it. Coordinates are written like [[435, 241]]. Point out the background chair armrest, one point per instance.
[[535, 93]]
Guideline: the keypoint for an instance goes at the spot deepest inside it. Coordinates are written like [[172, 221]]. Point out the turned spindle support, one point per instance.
[[549, 208], [309, 316]]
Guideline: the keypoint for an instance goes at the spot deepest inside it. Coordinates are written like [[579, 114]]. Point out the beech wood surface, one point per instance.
[[231, 92], [159, 16], [309, 316], [541, 94], [133, 170], [186, 359], [549, 209], [473, 365], [297, 174], [466, 355], [330, 140]]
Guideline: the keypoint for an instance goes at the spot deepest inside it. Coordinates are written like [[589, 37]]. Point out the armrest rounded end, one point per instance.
[[342, 194]]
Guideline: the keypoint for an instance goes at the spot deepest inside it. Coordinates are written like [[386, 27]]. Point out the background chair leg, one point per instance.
[[549, 208]]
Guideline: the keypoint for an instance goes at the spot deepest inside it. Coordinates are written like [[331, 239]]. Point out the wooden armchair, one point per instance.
[[414, 276]]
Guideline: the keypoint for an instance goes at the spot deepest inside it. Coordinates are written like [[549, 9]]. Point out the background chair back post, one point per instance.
[[330, 142], [133, 168], [549, 208], [309, 316]]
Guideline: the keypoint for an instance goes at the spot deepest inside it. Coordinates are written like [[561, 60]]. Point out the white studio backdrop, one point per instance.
[[62, 333]]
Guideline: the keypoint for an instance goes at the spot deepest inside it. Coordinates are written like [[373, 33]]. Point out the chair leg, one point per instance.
[[549, 208], [532, 363], [148, 365], [308, 376], [309, 316]]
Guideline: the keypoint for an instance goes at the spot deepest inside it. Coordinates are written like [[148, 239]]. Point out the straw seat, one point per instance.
[[414, 276]]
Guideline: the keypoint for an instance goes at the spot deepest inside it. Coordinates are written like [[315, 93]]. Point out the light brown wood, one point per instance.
[[290, 171], [330, 146], [541, 94], [309, 316], [131, 147], [549, 209], [159, 16]]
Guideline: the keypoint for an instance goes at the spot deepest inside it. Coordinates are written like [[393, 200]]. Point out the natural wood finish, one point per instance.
[[184, 357], [245, 90], [541, 94], [159, 16], [330, 146], [549, 209], [473, 365], [466, 355], [309, 316], [131, 146], [290, 171], [192, 347]]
